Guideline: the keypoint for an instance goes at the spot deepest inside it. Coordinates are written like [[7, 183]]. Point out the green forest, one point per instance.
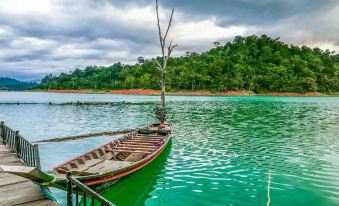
[[12, 84], [258, 64]]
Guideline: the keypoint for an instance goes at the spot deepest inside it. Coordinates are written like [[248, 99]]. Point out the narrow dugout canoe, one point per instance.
[[103, 166]]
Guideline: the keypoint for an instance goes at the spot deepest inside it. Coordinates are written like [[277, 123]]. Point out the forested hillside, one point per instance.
[[258, 64], [12, 84]]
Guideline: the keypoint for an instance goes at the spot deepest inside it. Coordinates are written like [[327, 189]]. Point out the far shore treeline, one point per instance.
[[258, 64]]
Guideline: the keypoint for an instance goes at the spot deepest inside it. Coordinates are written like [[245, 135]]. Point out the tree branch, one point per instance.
[[159, 29], [169, 25], [170, 49]]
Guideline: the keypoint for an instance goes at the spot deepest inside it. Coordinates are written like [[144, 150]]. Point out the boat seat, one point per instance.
[[108, 165], [138, 143], [73, 165], [140, 146], [150, 136], [132, 151], [78, 169], [92, 162], [63, 170], [134, 157], [81, 161], [95, 154]]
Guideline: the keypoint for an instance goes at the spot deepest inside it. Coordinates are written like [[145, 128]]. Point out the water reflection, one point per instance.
[[136, 188]]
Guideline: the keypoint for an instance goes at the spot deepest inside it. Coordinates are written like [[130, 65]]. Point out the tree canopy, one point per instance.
[[252, 63]]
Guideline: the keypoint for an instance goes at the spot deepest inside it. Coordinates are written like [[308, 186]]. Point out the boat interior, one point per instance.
[[115, 155]]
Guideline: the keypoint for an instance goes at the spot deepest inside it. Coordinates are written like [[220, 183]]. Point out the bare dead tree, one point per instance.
[[165, 56]]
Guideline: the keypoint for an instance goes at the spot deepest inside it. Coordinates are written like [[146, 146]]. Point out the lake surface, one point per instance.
[[222, 152]]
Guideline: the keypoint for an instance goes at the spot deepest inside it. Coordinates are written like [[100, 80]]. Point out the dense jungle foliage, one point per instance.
[[252, 63]]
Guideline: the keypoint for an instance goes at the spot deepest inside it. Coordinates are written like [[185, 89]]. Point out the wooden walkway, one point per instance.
[[15, 190]]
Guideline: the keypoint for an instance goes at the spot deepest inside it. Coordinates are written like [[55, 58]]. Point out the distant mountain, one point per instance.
[[13, 84]]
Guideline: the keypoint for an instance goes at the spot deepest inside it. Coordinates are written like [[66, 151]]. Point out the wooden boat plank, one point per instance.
[[147, 139], [140, 146], [145, 135], [108, 165], [133, 148], [140, 141], [82, 169], [133, 151], [150, 144], [150, 136], [134, 157]]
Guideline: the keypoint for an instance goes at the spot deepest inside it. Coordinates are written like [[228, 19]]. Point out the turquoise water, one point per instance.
[[221, 154]]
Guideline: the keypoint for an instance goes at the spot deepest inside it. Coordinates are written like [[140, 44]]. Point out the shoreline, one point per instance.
[[183, 93]]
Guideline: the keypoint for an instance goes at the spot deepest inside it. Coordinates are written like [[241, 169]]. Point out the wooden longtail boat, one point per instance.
[[102, 167]]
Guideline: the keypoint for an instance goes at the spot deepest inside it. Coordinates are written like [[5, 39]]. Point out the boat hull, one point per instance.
[[102, 182]]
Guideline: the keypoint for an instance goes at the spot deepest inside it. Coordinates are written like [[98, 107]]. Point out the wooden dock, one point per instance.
[[15, 190]]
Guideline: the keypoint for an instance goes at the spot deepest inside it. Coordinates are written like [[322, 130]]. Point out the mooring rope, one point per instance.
[[84, 136], [268, 188]]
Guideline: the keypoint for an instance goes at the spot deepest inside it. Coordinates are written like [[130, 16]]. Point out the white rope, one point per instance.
[[268, 188]]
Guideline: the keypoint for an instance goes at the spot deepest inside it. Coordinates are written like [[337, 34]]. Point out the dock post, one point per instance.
[[17, 144], [37, 156], [2, 132], [69, 189]]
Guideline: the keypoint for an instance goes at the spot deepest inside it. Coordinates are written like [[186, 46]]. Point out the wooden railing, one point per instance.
[[77, 188], [25, 150]]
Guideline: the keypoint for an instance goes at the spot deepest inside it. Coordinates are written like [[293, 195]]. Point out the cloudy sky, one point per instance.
[[39, 37]]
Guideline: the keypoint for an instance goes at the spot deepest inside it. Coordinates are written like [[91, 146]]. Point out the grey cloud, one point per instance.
[[82, 24], [254, 12], [297, 22], [240, 11]]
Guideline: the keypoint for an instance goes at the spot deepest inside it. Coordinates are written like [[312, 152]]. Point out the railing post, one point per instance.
[[37, 156], [69, 189], [17, 144], [2, 131]]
